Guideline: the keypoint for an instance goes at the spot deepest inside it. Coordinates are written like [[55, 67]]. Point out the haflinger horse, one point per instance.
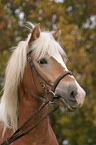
[[36, 75]]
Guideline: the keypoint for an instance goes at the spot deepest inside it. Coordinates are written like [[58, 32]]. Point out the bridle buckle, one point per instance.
[[50, 96]]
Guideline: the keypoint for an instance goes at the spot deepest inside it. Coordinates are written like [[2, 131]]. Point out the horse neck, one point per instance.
[[28, 106], [43, 133]]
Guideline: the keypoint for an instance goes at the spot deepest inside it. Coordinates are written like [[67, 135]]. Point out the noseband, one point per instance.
[[43, 83]]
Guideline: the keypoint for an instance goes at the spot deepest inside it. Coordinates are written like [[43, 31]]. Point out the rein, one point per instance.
[[17, 135]]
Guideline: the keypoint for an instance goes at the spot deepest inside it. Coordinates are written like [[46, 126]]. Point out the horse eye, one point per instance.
[[42, 61]]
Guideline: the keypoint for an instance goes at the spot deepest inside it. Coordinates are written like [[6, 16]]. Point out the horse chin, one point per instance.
[[65, 105]]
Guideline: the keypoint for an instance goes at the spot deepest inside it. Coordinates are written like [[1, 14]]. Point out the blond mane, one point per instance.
[[9, 104]]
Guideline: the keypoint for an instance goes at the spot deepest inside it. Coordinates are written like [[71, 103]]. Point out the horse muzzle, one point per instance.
[[70, 98]]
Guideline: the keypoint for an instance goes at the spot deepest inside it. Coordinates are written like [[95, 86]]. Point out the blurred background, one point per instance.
[[77, 20]]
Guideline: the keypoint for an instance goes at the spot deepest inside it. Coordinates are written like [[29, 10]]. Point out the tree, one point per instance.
[[77, 20]]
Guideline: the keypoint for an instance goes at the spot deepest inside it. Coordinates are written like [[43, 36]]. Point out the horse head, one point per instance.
[[49, 61]]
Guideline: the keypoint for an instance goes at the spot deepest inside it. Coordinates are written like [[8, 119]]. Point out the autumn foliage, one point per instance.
[[77, 20]]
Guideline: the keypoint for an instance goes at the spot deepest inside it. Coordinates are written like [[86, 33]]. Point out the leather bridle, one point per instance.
[[42, 81], [17, 135]]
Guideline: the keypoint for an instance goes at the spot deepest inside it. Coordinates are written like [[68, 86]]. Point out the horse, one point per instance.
[[35, 76]]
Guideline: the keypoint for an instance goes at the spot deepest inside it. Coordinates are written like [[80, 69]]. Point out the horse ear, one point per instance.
[[35, 34], [57, 34]]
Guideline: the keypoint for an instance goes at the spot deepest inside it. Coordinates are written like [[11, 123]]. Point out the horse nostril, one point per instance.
[[72, 95]]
